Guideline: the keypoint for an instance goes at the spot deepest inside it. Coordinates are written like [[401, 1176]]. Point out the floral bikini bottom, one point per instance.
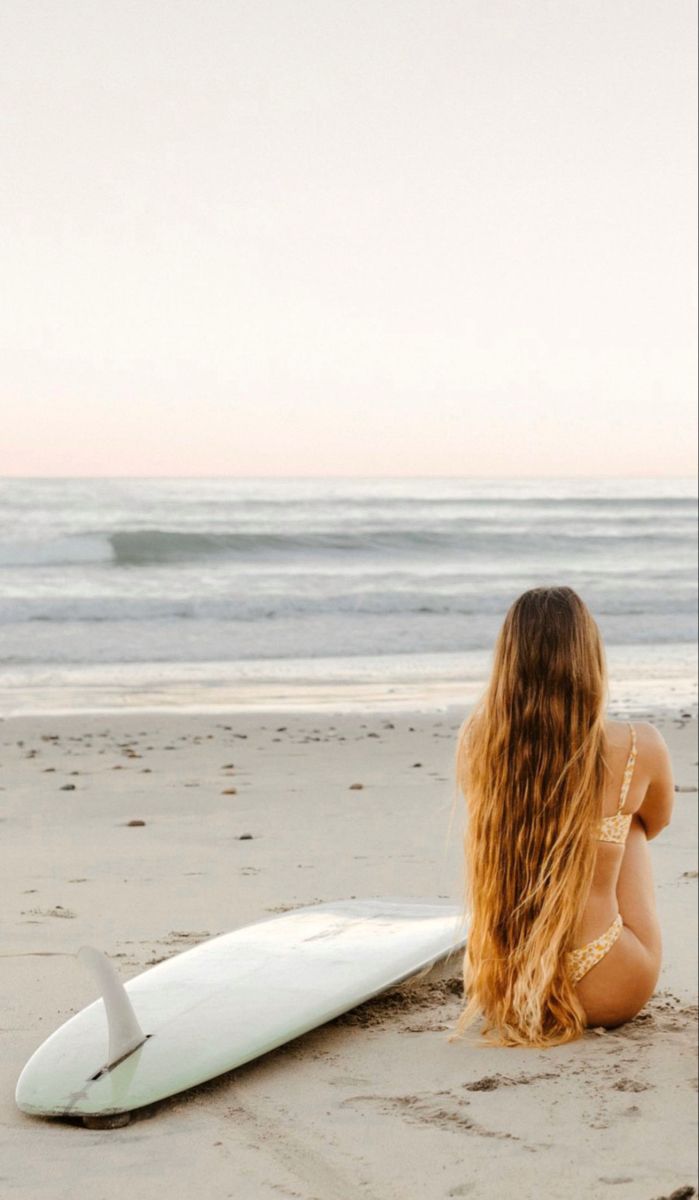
[[581, 960]]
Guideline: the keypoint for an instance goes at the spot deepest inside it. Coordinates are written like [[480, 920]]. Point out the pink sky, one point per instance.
[[360, 240]]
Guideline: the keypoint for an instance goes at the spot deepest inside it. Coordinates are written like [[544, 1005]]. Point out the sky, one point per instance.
[[347, 237]]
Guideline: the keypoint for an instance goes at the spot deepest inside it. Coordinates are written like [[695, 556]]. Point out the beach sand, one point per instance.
[[378, 1104]]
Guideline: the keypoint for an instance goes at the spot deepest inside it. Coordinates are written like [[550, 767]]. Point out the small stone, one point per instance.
[[229, 792], [245, 837], [417, 764], [356, 787], [135, 823], [67, 787], [108, 1121]]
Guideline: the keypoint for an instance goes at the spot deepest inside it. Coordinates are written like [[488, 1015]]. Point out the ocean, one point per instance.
[[218, 592]]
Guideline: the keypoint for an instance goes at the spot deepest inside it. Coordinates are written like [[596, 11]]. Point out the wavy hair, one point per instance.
[[531, 764]]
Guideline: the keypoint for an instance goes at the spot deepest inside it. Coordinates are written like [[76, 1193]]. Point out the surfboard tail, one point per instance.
[[125, 1033]]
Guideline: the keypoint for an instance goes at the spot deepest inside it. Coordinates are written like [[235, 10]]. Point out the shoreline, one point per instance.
[[359, 705], [641, 678]]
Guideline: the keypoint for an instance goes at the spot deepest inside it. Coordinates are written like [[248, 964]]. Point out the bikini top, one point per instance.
[[616, 827]]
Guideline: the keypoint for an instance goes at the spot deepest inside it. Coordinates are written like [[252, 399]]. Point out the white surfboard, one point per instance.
[[229, 1000]]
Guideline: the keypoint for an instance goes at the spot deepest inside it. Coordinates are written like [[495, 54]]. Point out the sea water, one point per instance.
[[198, 592]]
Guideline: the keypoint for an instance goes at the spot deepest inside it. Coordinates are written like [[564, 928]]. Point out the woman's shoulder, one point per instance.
[[650, 742]]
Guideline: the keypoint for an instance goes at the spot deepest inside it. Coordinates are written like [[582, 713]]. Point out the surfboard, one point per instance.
[[227, 1001]]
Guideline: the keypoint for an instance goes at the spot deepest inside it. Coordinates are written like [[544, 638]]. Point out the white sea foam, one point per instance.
[[136, 571]]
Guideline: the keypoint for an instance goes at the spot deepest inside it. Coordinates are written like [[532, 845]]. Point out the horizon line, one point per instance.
[[375, 476]]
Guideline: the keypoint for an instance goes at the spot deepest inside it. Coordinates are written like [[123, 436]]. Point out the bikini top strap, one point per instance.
[[628, 770]]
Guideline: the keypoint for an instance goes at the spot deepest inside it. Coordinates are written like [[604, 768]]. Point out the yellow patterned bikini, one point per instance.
[[611, 829]]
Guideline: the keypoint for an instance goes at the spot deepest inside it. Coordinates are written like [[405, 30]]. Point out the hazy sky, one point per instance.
[[347, 237]]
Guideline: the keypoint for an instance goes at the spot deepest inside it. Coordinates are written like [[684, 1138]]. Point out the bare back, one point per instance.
[[618, 986]]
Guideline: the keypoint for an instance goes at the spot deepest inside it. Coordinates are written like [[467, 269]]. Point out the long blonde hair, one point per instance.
[[531, 763]]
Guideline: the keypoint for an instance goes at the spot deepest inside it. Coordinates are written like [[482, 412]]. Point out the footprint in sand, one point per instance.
[[441, 1110]]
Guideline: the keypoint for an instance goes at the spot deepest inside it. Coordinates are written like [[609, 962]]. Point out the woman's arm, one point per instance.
[[656, 807]]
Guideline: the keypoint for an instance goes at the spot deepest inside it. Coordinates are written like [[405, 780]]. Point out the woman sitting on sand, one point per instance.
[[561, 804]]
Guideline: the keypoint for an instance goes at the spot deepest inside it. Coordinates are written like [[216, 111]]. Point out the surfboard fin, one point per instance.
[[125, 1033]]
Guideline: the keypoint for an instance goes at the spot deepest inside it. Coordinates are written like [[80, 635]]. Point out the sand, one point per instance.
[[379, 1104]]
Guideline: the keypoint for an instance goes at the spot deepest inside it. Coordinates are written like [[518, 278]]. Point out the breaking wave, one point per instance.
[[143, 547]]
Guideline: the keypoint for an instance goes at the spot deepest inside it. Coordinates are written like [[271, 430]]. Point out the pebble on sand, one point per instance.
[[137, 821], [356, 787], [229, 792]]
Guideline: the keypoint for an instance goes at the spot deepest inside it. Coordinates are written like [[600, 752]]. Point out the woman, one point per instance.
[[561, 804]]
